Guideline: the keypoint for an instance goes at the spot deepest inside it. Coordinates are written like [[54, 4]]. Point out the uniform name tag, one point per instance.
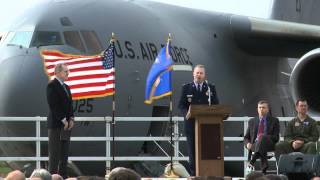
[[189, 97]]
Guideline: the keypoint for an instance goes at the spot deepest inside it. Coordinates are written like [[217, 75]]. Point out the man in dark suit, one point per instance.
[[262, 135], [196, 92], [60, 120]]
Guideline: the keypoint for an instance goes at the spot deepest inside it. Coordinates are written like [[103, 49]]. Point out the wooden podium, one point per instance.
[[209, 146]]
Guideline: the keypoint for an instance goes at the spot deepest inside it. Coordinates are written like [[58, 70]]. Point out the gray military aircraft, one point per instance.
[[246, 58]]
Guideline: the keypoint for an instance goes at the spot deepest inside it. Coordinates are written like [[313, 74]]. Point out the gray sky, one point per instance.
[[256, 8]]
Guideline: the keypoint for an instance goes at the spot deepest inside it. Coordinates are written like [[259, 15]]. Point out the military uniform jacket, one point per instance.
[[190, 95], [306, 130]]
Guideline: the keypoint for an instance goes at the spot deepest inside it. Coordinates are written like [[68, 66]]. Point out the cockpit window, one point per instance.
[[73, 39], [21, 38], [8, 37], [47, 38], [2, 36], [92, 42]]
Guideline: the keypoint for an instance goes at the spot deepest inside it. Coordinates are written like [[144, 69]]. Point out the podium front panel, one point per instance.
[[209, 143], [210, 139]]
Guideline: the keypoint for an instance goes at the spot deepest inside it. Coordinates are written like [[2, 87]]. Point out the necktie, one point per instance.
[[260, 129], [199, 88], [65, 89]]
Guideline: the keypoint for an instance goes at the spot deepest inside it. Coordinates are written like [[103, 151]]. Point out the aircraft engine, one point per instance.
[[303, 80]]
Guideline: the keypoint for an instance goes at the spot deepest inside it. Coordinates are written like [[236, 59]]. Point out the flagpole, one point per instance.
[[172, 174], [161, 72], [171, 136], [113, 100]]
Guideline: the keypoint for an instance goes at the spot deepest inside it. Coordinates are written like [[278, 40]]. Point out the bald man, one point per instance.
[[16, 175]]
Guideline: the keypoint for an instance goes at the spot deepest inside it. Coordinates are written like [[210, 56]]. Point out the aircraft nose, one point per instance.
[[22, 93], [22, 82], [9, 68]]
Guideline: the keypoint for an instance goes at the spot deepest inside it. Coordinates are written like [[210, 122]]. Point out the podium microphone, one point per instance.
[[209, 91]]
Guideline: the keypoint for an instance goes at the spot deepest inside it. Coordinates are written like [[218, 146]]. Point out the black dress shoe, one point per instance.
[[251, 166], [264, 170], [264, 165], [254, 158]]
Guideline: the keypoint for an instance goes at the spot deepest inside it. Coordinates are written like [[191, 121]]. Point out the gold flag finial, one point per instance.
[[113, 37], [169, 37]]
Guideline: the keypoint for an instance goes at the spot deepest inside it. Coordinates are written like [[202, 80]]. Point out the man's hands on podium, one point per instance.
[[188, 114]]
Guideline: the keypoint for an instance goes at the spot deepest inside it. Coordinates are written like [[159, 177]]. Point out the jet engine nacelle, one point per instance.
[[305, 80]]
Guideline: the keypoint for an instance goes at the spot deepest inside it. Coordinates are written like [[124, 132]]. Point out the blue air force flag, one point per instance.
[[158, 82]]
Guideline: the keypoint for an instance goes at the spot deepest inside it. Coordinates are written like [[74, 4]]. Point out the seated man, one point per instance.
[[262, 135], [301, 133]]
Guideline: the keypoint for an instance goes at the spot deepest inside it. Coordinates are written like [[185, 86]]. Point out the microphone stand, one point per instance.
[[209, 91]]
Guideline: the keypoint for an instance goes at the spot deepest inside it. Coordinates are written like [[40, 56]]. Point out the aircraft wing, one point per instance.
[[264, 37]]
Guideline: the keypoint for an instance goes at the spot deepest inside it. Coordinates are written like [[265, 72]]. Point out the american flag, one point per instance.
[[90, 76]]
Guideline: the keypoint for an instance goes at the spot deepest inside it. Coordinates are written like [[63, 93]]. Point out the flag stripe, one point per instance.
[[76, 71], [51, 65], [92, 76], [89, 76], [62, 55], [85, 73], [93, 94], [92, 81], [53, 60], [89, 72], [96, 88], [97, 84]]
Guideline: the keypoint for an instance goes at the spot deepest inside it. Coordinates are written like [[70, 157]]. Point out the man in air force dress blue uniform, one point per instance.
[[196, 92]]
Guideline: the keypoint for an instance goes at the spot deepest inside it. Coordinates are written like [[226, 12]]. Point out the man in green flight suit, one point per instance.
[[301, 133]]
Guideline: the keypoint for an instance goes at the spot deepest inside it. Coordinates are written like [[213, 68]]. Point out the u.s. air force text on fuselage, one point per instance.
[[147, 51]]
